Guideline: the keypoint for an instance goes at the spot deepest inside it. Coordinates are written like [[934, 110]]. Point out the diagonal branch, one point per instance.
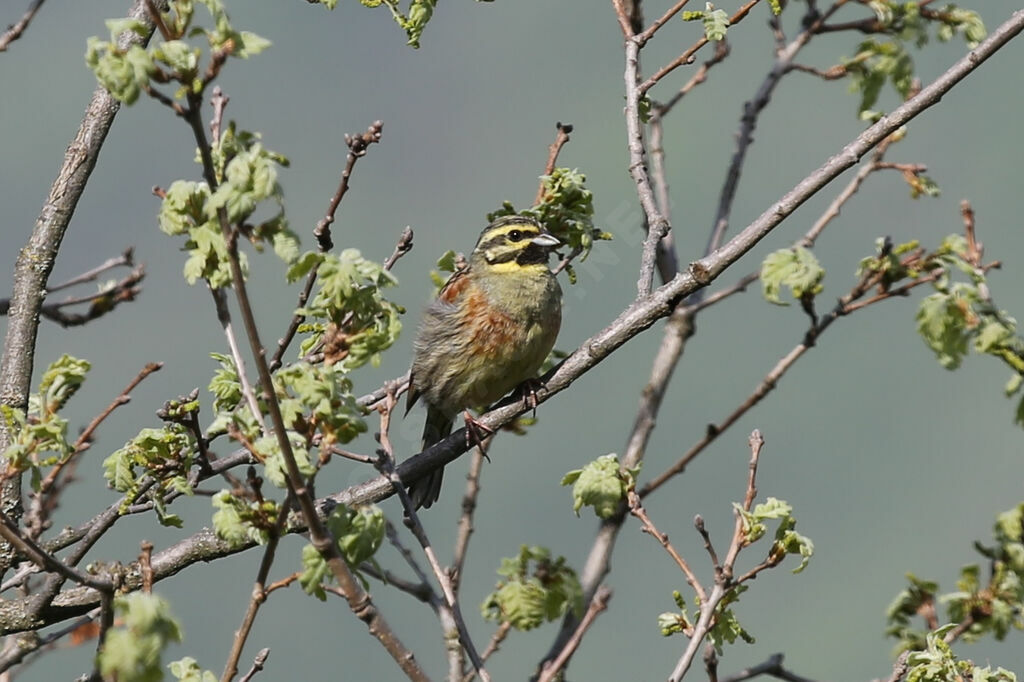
[[14, 31]]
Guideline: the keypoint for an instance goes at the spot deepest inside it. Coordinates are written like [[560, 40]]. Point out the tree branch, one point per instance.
[[35, 262], [14, 31]]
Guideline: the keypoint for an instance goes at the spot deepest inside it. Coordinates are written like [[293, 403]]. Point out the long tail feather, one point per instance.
[[426, 490]]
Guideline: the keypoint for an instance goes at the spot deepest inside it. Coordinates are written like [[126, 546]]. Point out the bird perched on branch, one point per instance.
[[489, 330]]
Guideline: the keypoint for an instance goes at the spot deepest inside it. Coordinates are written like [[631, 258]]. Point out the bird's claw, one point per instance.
[[474, 429]]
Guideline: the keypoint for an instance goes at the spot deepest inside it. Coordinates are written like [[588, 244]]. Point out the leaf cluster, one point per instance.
[[127, 70], [350, 314], [162, 457], [39, 436], [797, 269], [359, 532], [132, 651], [983, 607], [787, 540], [886, 59], [601, 484], [960, 315], [536, 589], [566, 210]]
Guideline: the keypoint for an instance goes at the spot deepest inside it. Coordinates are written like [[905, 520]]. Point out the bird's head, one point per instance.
[[513, 242]]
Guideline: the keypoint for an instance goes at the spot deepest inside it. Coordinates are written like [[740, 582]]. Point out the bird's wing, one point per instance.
[[449, 295], [454, 288]]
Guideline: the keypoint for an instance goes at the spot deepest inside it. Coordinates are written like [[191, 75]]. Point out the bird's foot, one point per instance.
[[475, 431], [529, 392]]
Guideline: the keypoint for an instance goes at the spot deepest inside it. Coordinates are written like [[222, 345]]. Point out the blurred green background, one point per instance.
[[892, 463]]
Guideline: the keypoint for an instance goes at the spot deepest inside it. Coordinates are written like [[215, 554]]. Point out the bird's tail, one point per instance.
[[426, 490]]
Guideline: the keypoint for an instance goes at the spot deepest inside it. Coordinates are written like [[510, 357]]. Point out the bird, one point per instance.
[[489, 330]]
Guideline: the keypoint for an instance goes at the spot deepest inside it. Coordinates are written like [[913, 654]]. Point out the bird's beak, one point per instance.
[[546, 239]]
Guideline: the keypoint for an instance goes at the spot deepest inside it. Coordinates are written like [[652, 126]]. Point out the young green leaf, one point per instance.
[[796, 268]]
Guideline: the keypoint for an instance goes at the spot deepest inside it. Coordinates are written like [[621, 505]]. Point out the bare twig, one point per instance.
[[598, 604], [402, 247], [259, 593], [224, 317], [14, 31], [465, 528], [847, 304], [101, 303], [666, 260], [257, 665], [748, 123], [699, 76], [561, 137], [723, 579], [687, 56], [126, 259], [357, 146], [657, 224], [709, 547], [636, 508], [648, 33], [495, 644], [387, 466], [10, 532]]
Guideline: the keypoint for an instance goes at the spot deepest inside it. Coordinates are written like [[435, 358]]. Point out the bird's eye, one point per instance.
[[515, 235]]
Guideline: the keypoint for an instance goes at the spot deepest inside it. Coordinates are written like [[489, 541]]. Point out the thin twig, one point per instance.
[[12, 534], [700, 75], [127, 259], [561, 137], [648, 33], [636, 508], [687, 56], [257, 665], [495, 644], [14, 31], [357, 146], [387, 466], [723, 579], [224, 317], [598, 604], [748, 123], [465, 527], [259, 593], [402, 247], [666, 260], [709, 547]]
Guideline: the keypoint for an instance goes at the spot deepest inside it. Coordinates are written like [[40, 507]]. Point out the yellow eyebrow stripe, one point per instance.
[[502, 230]]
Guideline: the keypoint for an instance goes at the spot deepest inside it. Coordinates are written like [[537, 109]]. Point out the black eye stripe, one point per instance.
[[506, 237]]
